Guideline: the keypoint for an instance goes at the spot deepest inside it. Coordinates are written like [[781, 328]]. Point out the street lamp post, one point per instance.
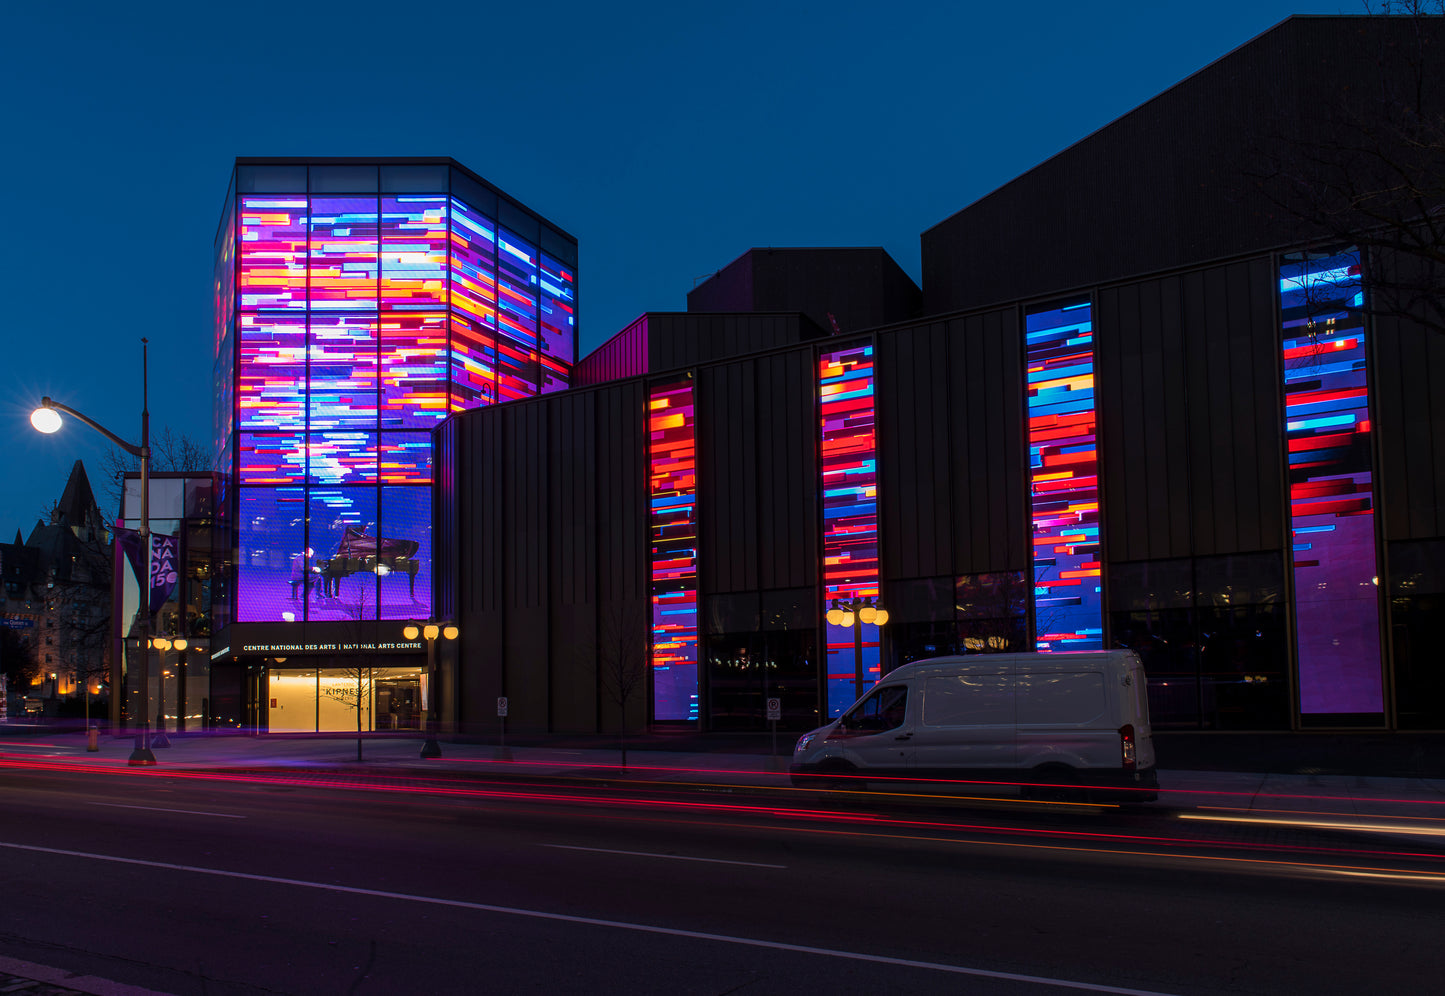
[[431, 716], [162, 644], [47, 419], [854, 613]]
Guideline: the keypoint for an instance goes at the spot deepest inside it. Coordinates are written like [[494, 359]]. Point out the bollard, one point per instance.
[[92, 739]]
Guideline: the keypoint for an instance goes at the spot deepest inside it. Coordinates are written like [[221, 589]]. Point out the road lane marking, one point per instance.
[[644, 928], [670, 857], [158, 809], [1405, 829]]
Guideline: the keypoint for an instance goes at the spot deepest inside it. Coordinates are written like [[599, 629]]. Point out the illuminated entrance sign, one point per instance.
[[1331, 489], [1064, 478], [672, 482]]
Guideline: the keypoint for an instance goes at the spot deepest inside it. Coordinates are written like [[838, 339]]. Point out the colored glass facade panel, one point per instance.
[[559, 323], [517, 363], [848, 456], [406, 458], [272, 381], [672, 476], [1064, 478], [473, 265], [413, 369], [473, 364], [272, 459], [343, 371], [272, 253], [414, 253], [1331, 489], [344, 254]]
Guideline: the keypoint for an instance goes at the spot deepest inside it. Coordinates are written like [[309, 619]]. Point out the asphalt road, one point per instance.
[[247, 885]]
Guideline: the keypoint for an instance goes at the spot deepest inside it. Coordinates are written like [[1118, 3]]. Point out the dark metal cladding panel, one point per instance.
[[482, 617], [1250, 383], [915, 480], [1202, 427], [1116, 337], [623, 587], [860, 288], [573, 565], [622, 493], [1412, 427], [727, 478], [1267, 400], [1144, 437], [526, 553], [1234, 415], [987, 446], [1174, 384], [1011, 545], [624, 355], [787, 481], [1167, 185], [445, 511]]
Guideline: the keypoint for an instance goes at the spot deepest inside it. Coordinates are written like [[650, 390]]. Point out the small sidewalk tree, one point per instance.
[[623, 637]]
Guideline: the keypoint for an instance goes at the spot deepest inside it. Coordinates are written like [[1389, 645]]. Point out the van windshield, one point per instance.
[[884, 709]]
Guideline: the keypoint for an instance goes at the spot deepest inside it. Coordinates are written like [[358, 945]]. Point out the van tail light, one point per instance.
[[1126, 746]]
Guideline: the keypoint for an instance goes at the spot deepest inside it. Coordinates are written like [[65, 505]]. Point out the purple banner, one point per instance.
[[165, 568]]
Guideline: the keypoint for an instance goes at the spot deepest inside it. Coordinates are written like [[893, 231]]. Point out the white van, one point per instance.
[[1065, 726]]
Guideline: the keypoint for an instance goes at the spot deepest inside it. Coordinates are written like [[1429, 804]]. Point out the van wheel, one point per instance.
[[839, 776], [1055, 785]]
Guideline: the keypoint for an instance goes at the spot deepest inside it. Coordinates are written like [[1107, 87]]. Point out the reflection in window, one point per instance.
[[1211, 635]]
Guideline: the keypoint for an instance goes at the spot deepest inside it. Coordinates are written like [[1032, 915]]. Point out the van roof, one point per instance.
[[1069, 660]]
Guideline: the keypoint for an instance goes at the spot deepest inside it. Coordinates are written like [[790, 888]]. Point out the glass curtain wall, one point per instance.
[[1211, 632], [368, 302], [1331, 490], [1064, 477]]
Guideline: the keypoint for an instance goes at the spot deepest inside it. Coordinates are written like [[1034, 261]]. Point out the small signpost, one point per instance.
[[502, 722], [775, 713]]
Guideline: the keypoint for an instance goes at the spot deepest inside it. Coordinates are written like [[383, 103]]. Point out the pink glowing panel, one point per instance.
[[273, 252], [271, 382], [413, 253], [413, 369], [344, 255], [343, 372], [473, 364], [406, 458], [272, 458], [341, 458]]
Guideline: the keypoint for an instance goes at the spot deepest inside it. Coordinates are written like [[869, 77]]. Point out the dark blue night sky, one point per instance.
[[668, 138]]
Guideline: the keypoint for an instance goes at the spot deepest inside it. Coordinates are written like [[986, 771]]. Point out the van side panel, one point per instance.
[[1066, 717], [967, 722]]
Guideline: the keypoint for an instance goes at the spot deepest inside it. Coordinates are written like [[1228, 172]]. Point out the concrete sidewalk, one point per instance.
[[1351, 795]]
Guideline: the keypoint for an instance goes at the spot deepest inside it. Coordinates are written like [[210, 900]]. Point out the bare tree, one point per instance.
[[1369, 170], [357, 689], [622, 651], [169, 452], [17, 658]]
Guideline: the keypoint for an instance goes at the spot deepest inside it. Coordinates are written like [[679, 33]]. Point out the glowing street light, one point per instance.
[[47, 419], [855, 613], [431, 716]]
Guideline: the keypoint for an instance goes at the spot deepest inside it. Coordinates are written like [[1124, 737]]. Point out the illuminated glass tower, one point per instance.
[[358, 303]]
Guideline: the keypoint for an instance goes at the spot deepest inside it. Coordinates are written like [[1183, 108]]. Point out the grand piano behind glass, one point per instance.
[[360, 553]]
